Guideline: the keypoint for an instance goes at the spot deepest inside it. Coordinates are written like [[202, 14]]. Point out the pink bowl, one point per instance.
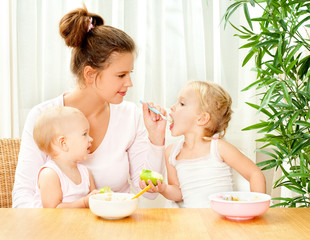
[[248, 205]]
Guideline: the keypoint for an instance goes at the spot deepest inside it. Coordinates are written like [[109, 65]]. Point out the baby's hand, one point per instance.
[[95, 191], [86, 199]]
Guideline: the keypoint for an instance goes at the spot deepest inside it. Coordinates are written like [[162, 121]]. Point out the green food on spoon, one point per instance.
[[105, 190], [153, 176]]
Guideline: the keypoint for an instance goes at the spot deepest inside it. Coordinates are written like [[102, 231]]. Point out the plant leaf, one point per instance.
[[256, 126], [237, 28], [247, 15], [299, 24], [294, 189], [250, 44], [252, 84], [283, 24], [267, 153], [303, 123], [268, 95], [263, 110], [291, 54], [248, 57], [267, 43], [292, 121], [302, 144], [285, 93], [296, 1], [273, 68]]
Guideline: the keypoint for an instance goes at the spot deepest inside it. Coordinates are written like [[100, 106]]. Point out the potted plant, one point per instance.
[[280, 47]]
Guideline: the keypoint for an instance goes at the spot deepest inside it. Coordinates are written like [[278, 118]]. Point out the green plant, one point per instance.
[[282, 82]]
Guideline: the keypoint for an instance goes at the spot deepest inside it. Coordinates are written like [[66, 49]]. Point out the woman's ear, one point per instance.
[[203, 119], [89, 74]]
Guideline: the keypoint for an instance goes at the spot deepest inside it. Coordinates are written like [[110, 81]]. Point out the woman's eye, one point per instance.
[[122, 75]]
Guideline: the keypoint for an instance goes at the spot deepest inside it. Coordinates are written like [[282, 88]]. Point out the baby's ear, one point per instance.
[[61, 143], [203, 118]]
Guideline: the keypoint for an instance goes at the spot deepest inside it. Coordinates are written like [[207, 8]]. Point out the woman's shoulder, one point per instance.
[[41, 107]]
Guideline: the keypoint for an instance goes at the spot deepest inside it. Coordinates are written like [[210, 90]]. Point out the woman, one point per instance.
[[102, 60]]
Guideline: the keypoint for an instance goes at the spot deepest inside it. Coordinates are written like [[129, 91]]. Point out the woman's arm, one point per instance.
[[243, 165], [143, 154], [30, 160]]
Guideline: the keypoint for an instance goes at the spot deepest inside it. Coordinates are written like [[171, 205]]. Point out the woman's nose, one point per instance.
[[128, 82]]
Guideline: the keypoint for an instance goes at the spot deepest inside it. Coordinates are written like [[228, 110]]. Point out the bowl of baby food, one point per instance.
[[113, 205], [240, 205]]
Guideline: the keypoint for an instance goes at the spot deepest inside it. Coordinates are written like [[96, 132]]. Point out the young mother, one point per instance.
[[102, 60]]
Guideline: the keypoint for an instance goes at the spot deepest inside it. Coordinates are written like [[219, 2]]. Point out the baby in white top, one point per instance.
[[201, 164], [62, 182]]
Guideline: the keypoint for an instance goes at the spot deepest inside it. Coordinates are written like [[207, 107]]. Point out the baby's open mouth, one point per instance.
[[88, 149], [171, 122]]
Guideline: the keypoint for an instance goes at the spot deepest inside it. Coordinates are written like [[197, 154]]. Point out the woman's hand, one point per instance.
[[155, 124]]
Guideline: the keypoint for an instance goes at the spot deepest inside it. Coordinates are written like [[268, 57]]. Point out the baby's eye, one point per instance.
[[85, 134], [182, 104]]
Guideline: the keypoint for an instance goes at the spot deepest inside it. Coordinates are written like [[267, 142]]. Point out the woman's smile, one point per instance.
[[122, 93]]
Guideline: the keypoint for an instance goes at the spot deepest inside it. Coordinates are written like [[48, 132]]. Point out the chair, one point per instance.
[[9, 150]]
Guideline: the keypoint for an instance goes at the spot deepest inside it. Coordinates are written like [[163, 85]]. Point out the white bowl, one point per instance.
[[246, 205], [113, 205]]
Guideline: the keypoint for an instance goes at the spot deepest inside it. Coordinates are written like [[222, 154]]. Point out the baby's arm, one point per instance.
[[243, 165], [171, 190]]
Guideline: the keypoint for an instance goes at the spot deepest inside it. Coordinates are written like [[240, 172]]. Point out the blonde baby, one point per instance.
[[63, 182]]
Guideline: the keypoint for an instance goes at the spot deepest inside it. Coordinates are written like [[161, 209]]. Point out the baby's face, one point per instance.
[[185, 112], [78, 139]]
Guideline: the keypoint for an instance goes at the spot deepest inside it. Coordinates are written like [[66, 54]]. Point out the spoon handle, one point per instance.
[[143, 191], [156, 111]]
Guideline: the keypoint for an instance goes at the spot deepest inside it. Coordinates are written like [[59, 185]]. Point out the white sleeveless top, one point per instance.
[[70, 190], [201, 177]]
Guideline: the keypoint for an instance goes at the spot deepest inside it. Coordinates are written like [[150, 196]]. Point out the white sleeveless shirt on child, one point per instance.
[[70, 190], [201, 177]]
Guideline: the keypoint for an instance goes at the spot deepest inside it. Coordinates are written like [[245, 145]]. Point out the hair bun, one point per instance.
[[73, 27]]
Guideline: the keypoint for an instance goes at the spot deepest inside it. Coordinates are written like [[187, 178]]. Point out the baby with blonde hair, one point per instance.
[[200, 164], [62, 182]]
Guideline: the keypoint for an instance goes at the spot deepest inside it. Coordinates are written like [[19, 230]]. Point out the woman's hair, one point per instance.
[[215, 101], [52, 123], [92, 41]]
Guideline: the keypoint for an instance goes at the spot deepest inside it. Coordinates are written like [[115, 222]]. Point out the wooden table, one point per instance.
[[54, 224]]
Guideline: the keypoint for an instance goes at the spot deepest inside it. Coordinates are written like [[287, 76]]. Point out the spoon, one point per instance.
[[143, 191], [156, 111]]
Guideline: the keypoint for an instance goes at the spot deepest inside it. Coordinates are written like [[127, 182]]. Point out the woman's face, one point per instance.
[[113, 82]]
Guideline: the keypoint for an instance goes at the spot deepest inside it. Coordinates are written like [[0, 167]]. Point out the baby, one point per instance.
[[62, 182]]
